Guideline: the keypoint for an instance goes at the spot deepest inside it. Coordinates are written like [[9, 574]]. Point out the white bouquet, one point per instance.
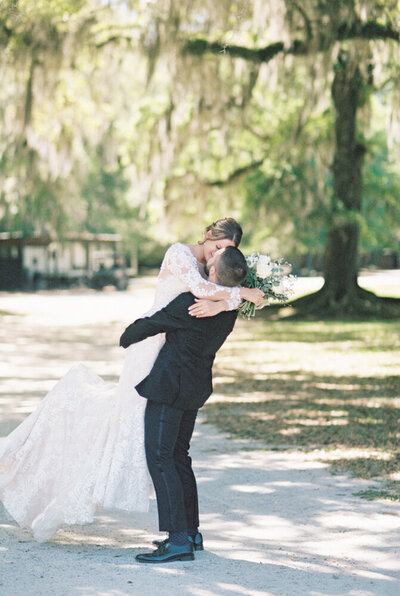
[[271, 277]]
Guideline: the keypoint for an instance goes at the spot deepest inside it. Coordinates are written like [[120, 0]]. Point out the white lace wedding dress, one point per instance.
[[83, 447]]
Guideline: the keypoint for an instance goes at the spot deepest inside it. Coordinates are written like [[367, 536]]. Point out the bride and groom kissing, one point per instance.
[[90, 444], [178, 385]]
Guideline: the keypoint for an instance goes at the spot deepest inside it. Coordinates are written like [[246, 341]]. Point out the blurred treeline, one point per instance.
[[115, 116]]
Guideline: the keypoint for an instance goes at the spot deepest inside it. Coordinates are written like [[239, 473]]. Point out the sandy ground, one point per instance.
[[274, 522]]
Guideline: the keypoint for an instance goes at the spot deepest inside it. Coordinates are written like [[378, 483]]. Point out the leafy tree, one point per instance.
[[348, 46], [59, 149], [134, 112]]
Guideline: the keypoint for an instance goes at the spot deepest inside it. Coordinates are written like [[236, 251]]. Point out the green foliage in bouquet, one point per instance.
[[271, 277]]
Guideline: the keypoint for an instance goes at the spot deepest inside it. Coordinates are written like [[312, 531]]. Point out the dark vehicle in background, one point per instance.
[[113, 275]]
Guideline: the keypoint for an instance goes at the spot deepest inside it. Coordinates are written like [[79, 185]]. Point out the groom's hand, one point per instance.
[[170, 318], [125, 340]]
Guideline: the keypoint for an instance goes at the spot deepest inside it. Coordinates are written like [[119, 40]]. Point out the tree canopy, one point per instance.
[[132, 115]]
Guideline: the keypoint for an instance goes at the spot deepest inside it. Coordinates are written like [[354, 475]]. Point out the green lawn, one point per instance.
[[330, 386]]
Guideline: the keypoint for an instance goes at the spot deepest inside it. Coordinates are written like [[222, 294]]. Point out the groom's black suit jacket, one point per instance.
[[182, 373]]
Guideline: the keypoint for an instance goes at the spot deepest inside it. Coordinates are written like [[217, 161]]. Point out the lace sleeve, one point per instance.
[[180, 263]]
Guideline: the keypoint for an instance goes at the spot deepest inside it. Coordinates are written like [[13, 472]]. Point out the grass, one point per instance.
[[6, 313], [332, 387]]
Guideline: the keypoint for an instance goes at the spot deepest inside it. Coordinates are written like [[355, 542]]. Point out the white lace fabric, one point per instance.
[[83, 447], [180, 262]]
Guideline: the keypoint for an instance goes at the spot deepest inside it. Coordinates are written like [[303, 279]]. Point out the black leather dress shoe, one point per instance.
[[197, 541], [168, 552]]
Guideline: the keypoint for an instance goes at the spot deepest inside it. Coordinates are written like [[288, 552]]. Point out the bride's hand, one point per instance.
[[206, 308], [252, 295]]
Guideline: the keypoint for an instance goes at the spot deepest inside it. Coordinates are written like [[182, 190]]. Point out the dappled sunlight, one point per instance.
[[114, 529], [232, 589], [285, 432], [313, 384], [277, 525], [7, 526], [264, 513], [38, 358], [350, 528], [354, 453], [99, 592], [319, 422], [340, 386], [168, 570], [312, 540], [25, 407], [253, 488], [376, 523], [260, 416], [243, 397]]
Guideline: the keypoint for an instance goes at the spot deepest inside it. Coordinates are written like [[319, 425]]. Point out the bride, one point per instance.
[[83, 447]]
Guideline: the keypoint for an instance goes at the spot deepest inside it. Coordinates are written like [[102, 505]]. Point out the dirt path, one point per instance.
[[275, 523]]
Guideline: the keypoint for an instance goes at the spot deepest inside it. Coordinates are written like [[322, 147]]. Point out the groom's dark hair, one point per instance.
[[231, 267]]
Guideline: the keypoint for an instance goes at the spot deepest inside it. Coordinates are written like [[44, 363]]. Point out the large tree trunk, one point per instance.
[[341, 252], [341, 295]]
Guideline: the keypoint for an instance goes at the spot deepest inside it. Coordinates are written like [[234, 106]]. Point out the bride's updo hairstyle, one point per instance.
[[224, 228]]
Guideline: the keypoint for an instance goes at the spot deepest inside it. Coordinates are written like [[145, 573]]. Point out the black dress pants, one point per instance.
[[168, 432]]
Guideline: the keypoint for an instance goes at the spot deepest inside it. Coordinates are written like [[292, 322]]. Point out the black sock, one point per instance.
[[178, 538]]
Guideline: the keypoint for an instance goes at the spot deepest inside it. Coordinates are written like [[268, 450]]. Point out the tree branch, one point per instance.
[[233, 175], [199, 47], [369, 30], [192, 176], [7, 30], [258, 135], [113, 39], [307, 22]]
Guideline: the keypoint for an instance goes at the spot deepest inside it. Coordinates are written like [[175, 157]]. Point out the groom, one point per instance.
[[178, 385]]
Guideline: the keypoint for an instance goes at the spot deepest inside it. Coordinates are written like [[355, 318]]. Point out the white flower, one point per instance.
[[280, 288], [264, 266], [285, 287], [252, 259]]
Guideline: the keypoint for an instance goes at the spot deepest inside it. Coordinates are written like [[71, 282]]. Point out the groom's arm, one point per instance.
[[174, 316]]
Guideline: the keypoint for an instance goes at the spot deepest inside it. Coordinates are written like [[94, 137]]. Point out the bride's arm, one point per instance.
[[180, 263], [207, 308]]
